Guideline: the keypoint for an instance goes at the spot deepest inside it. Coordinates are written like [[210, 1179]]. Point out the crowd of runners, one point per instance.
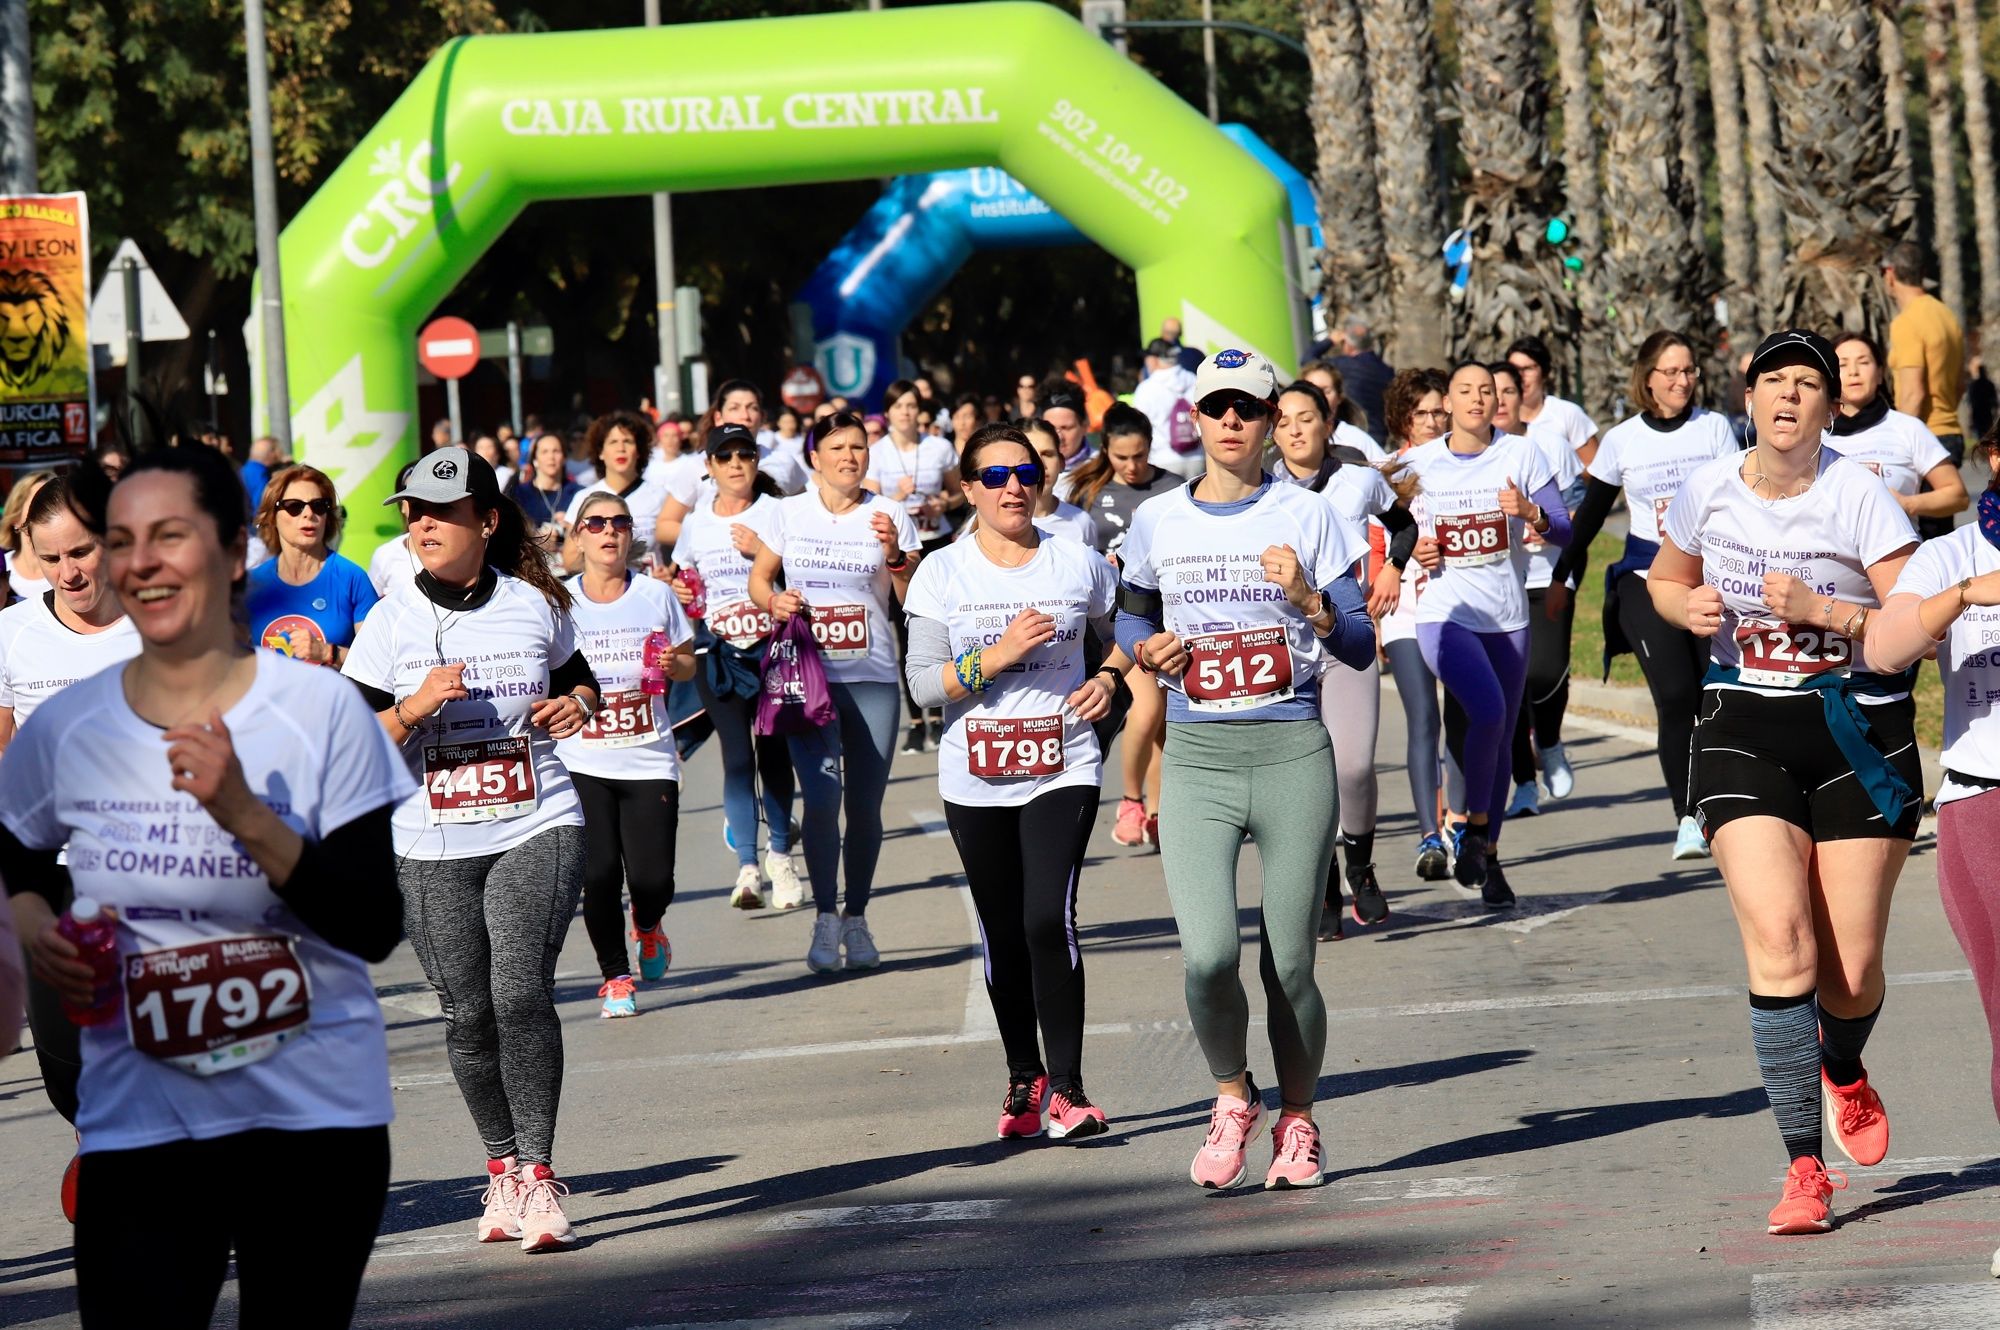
[[485, 728]]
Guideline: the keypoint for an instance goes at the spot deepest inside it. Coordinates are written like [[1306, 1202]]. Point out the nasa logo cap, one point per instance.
[[1243, 372]]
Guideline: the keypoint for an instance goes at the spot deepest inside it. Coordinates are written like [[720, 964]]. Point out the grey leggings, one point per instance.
[[487, 931], [1350, 706], [1418, 688], [1273, 779]]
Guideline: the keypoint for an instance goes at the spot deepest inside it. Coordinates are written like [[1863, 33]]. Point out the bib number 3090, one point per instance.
[[1470, 540], [484, 780], [1239, 670], [841, 631], [1788, 655], [216, 1006]]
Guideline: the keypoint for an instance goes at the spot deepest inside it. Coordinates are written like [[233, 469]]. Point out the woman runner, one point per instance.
[[473, 670], [305, 600], [920, 472], [1805, 775], [619, 445], [1897, 447], [997, 632], [544, 491], [1238, 591], [623, 762]]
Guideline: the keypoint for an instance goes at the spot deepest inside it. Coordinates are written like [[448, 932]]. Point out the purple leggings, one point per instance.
[[1968, 845], [1486, 672]]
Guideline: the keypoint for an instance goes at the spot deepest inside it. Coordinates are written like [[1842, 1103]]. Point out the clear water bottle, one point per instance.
[[653, 663], [95, 938]]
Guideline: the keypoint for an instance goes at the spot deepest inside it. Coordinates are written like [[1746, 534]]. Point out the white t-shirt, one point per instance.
[[923, 468], [1969, 658], [705, 546], [1899, 448], [1165, 397], [1542, 556], [1651, 464], [1826, 537], [88, 771], [1562, 420], [1353, 436], [40, 655], [1208, 568], [490, 780], [644, 499], [393, 565], [1023, 725], [630, 737], [1482, 584], [21, 586], [836, 563], [1400, 624]]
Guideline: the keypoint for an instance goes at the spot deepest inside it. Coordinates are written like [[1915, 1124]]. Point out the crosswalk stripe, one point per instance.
[[848, 1216], [1360, 1309], [1801, 1301]]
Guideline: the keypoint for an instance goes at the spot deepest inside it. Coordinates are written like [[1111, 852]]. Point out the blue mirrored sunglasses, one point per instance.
[[1030, 475]]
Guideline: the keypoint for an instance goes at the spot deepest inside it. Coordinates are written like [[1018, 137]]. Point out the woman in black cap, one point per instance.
[[1805, 776]]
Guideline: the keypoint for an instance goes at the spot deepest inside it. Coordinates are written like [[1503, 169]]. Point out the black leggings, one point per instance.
[[136, 1267], [58, 1043], [1022, 865], [1546, 701], [629, 828], [1674, 661]]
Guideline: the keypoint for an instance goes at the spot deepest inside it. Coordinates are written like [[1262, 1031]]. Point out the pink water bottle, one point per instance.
[[95, 937], [698, 607], [653, 664]]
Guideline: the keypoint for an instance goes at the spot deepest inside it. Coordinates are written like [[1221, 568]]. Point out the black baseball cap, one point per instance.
[[1795, 346], [1161, 349], [446, 476], [730, 436]]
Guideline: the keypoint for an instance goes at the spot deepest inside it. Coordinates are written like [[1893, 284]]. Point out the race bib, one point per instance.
[[625, 720], [484, 780], [1660, 506], [841, 631], [1016, 746], [1786, 655], [1470, 540], [740, 624], [1238, 670], [216, 1006]]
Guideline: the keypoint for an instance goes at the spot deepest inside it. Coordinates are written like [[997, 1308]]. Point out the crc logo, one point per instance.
[[401, 204], [847, 363], [444, 468]]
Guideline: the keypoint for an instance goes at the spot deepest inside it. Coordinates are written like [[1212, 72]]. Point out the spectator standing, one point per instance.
[[1364, 375], [1163, 396]]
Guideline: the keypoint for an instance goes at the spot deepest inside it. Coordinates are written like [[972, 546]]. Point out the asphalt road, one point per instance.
[[1546, 1117]]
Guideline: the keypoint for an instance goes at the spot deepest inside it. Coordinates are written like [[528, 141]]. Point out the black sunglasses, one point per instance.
[[1030, 474], [596, 523], [1217, 405], [297, 507], [743, 453]]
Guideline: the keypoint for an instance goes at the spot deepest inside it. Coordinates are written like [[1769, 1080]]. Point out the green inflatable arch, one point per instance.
[[495, 123]]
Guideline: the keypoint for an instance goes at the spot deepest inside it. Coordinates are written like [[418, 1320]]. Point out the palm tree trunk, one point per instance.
[[1353, 263], [1896, 88], [1979, 156], [1725, 97], [1690, 119], [1402, 65], [1836, 174], [1597, 379], [1763, 134], [1945, 237]]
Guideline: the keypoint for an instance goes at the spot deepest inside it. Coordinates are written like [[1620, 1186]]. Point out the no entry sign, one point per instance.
[[448, 347]]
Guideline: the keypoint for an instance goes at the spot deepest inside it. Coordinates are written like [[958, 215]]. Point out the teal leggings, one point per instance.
[[1274, 779]]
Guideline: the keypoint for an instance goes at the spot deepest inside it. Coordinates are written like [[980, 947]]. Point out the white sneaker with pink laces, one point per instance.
[[1221, 1162], [544, 1226], [502, 1220]]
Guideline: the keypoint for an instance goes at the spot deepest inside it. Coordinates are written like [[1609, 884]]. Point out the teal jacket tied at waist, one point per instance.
[[1847, 722]]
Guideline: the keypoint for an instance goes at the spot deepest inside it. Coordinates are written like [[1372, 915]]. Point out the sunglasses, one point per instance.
[[1030, 474], [298, 507], [596, 522], [743, 454], [1217, 405]]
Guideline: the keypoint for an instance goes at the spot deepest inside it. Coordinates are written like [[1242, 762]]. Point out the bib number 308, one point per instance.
[[216, 1006], [1788, 655], [1470, 540], [1239, 670]]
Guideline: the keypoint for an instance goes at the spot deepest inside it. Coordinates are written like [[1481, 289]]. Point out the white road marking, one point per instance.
[[848, 1216], [1360, 1309], [422, 1244], [1819, 1301], [826, 1321], [931, 822], [1528, 914], [978, 1007]]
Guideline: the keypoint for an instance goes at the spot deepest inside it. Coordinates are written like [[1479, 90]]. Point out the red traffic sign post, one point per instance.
[[449, 348]]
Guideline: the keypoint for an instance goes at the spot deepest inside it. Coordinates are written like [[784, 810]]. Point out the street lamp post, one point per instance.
[[264, 192]]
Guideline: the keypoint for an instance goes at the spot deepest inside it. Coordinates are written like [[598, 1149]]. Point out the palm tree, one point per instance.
[[1979, 155], [1763, 136], [1690, 121], [1725, 89], [1585, 212], [1402, 75], [1837, 173], [1896, 95], [1516, 285], [1354, 270], [1944, 165]]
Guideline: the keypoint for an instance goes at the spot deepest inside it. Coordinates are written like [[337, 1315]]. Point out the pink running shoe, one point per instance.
[[1021, 1110], [1221, 1162], [1807, 1203], [1072, 1114], [502, 1220], [544, 1226], [1130, 829], [1860, 1123], [1294, 1154]]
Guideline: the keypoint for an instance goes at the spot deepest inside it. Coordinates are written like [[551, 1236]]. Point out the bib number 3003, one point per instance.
[[1239, 670], [211, 1007], [1788, 655], [1015, 746], [1470, 540], [484, 780]]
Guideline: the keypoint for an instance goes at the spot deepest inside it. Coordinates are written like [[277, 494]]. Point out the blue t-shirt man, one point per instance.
[[325, 609]]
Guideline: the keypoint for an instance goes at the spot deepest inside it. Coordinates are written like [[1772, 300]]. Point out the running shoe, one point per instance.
[[787, 892], [823, 956], [913, 743], [749, 894], [1221, 1162], [502, 1200], [858, 943], [1021, 1110], [618, 998], [1153, 830], [1525, 803], [1329, 919], [1072, 1114], [544, 1226], [1557, 773], [1294, 1155], [1806, 1206], [67, 1191], [1689, 843], [1469, 866], [1496, 894], [656, 951], [1370, 905], [1130, 828], [1860, 1124], [1433, 863]]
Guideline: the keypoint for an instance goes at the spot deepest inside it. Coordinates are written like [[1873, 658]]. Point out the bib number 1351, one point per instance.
[[1238, 670]]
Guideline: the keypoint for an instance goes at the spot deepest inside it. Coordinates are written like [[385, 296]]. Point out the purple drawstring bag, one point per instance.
[[794, 698]]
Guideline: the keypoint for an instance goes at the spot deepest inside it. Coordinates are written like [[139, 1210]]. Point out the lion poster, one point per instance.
[[46, 387]]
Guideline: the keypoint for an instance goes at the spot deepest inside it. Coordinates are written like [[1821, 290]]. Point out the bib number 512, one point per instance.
[[1239, 670]]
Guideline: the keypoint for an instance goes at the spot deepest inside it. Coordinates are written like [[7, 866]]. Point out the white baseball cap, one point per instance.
[[1245, 372]]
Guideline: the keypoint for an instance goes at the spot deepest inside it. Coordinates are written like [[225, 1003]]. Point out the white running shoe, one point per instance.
[[1689, 843], [749, 894], [544, 1226], [502, 1199], [1526, 802], [859, 944], [787, 892], [1557, 773], [823, 956]]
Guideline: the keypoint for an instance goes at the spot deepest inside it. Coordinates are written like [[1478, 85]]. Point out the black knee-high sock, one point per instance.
[[1784, 1031], [1841, 1039], [1360, 850]]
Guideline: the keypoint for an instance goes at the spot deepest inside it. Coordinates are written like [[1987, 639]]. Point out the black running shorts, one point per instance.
[[1761, 756]]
